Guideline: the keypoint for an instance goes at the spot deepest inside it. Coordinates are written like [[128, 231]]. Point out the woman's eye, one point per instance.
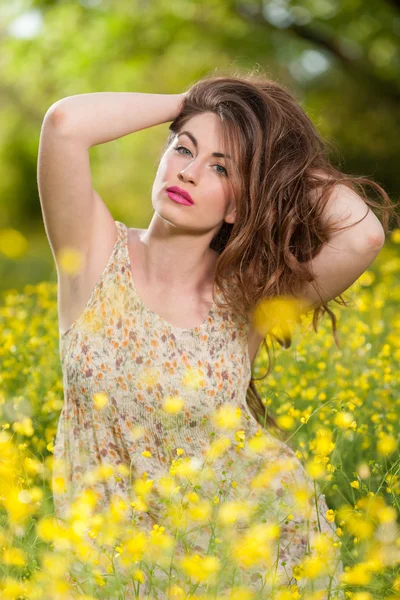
[[178, 148], [225, 171]]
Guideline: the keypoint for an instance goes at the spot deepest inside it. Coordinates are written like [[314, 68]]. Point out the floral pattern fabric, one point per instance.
[[120, 361]]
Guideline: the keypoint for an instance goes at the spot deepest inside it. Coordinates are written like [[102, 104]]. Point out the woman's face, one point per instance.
[[189, 164]]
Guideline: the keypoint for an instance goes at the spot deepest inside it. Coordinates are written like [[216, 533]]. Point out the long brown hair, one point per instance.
[[281, 180]]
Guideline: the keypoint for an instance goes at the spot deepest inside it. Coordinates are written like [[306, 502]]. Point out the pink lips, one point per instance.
[[179, 195]]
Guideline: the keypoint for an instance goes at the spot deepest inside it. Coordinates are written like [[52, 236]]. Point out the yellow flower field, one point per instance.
[[340, 408]]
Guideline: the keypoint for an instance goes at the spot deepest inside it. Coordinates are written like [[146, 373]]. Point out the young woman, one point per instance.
[[242, 198]]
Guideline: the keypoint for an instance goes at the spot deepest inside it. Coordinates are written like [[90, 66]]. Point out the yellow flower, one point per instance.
[[254, 548], [57, 564], [314, 469], [173, 404], [322, 445], [330, 515], [357, 575], [240, 435], [84, 505], [146, 453], [17, 508], [386, 445], [70, 260], [201, 511], [285, 422], [272, 314], [366, 278], [11, 588], [187, 467], [200, 568], [193, 497], [344, 420], [177, 592], [360, 526], [142, 487], [217, 448], [387, 515], [396, 584], [376, 509], [167, 486], [36, 494], [100, 473], [289, 595], [134, 546], [160, 544], [99, 579], [100, 400], [312, 566], [140, 505], [49, 529], [302, 498], [13, 243], [122, 469], [24, 427], [58, 485], [226, 416], [138, 575], [323, 546], [395, 235], [260, 442], [230, 512], [355, 484], [118, 509], [14, 556]]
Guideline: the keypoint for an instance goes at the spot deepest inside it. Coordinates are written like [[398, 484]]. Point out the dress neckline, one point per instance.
[[146, 308]]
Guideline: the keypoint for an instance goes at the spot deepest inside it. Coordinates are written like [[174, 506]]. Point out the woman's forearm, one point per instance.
[[101, 117]]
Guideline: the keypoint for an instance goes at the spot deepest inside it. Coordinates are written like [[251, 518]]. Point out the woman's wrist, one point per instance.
[[181, 101]]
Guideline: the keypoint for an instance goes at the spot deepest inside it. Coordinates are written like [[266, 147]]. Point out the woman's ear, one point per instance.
[[231, 215]]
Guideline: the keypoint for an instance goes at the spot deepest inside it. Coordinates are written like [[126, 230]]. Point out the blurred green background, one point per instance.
[[341, 59]]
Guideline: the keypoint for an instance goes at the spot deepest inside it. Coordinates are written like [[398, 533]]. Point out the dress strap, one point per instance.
[[122, 243], [122, 230]]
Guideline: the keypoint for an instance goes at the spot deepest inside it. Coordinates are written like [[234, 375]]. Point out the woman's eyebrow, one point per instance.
[[191, 136]]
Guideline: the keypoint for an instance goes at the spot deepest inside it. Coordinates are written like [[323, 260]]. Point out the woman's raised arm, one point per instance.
[[101, 117]]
